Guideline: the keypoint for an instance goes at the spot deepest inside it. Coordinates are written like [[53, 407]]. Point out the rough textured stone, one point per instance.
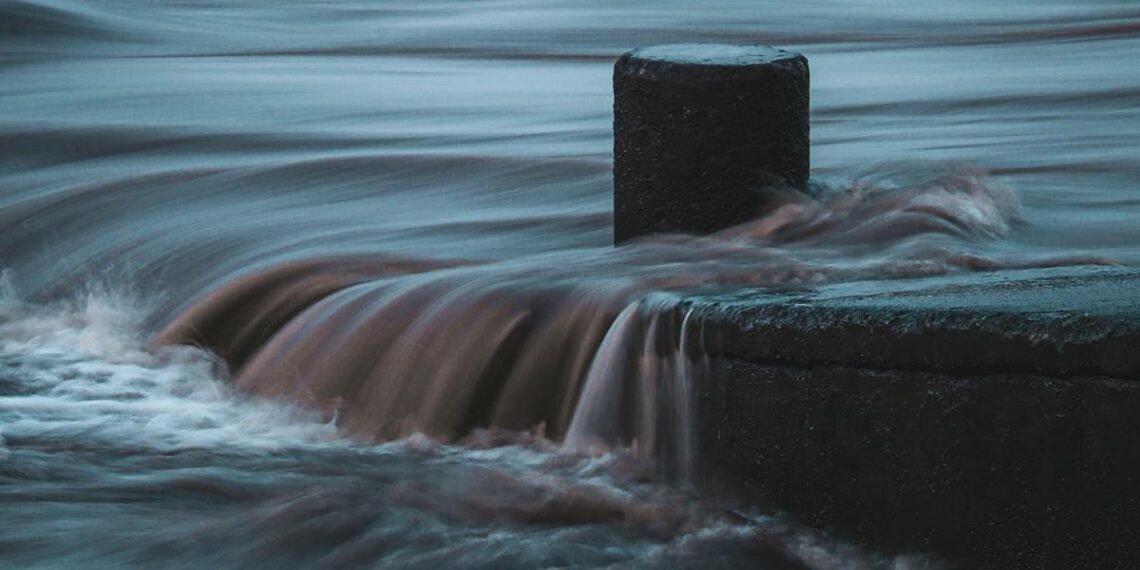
[[990, 420], [704, 133], [1050, 323]]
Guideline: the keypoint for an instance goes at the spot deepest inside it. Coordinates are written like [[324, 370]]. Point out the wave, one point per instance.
[[50, 19]]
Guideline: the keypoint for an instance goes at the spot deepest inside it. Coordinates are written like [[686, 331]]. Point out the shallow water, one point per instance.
[[395, 221]]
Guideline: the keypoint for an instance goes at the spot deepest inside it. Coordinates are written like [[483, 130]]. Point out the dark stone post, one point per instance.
[[703, 133]]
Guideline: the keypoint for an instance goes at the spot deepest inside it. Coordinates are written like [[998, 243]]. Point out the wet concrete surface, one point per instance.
[[990, 419], [1051, 322]]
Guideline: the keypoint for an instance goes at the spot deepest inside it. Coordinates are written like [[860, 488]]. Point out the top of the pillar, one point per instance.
[[713, 54]]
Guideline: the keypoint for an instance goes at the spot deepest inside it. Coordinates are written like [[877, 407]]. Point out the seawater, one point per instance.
[[331, 283]]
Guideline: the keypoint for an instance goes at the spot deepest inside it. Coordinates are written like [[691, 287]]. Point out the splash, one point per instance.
[[81, 372]]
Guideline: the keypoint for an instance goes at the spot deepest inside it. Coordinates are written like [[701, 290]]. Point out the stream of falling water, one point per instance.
[[638, 391]]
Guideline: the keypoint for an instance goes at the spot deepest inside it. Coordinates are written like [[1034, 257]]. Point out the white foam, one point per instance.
[[83, 371]]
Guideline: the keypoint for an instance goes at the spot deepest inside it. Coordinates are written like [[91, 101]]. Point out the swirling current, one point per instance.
[[331, 284]]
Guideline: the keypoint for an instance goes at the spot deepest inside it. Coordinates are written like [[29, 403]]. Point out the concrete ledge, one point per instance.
[[993, 420], [1039, 322]]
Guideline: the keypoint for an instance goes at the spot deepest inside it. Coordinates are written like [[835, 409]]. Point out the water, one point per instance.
[[387, 230]]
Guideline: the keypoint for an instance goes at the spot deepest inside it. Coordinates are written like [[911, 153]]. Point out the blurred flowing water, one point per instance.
[[383, 229]]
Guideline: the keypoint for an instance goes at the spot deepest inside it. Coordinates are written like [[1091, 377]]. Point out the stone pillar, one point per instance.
[[705, 134]]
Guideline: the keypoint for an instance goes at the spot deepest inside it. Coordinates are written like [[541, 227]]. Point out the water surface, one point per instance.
[[394, 220]]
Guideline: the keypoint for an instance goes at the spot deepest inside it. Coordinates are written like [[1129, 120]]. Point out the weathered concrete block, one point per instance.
[[992, 420], [703, 133]]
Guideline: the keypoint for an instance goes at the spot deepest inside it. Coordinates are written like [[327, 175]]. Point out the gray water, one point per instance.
[[384, 232]]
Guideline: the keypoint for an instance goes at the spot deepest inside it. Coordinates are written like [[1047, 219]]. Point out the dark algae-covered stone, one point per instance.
[[704, 135]]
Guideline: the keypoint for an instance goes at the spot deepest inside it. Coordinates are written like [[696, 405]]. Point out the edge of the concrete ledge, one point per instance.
[[1062, 323]]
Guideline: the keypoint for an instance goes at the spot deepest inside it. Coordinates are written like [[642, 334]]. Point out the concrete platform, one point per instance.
[[993, 419]]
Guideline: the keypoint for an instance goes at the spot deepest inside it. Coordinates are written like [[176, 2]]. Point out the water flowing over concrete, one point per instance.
[[581, 346], [332, 284]]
